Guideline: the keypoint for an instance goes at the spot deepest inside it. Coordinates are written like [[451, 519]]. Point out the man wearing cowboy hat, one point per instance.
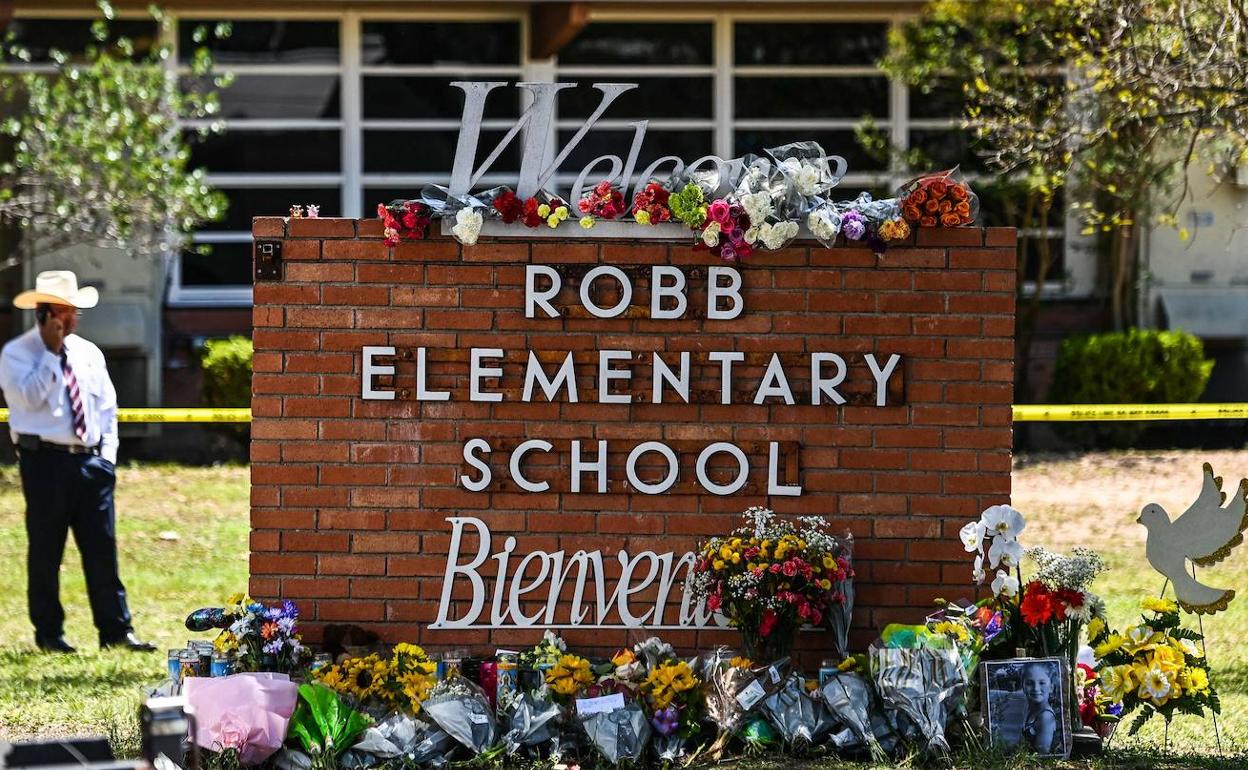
[[63, 419]]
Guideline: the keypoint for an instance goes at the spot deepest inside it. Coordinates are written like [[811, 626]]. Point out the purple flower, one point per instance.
[[727, 251], [666, 721], [1114, 709], [287, 625], [853, 226], [289, 609], [273, 647], [272, 613]]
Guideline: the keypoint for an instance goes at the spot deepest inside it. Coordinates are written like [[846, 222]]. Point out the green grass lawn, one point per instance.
[[1091, 501]]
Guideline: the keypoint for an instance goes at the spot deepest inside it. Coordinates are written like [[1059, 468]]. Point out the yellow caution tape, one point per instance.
[[1122, 412], [1022, 413], [173, 415]]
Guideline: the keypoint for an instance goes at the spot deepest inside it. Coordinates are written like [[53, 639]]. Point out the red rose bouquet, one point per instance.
[[603, 202]]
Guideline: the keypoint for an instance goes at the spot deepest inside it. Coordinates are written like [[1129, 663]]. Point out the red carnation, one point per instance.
[[767, 624]]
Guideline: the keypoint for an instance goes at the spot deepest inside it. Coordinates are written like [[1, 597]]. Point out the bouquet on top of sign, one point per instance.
[[772, 576], [735, 209]]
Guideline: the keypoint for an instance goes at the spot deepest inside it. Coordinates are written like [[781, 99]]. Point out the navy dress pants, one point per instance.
[[71, 492]]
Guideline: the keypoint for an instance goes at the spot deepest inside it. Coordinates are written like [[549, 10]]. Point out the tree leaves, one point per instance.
[[99, 155]]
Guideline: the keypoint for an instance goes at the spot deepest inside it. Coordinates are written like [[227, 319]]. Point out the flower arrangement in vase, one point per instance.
[[771, 576]]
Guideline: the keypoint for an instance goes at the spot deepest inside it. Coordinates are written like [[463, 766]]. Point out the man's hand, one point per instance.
[[52, 330]]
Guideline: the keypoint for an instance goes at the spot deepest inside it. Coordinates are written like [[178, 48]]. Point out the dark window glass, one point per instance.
[[73, 36], [249, 202], [847, 43], [686, 145], [790, 97], [251, 151], [441, 42], [841, 143], [641, 43], [375, 195], [276, 96], [431, 97], [945, 148], [667, 97], [262, 42], [217, 264], [432, 151], [941, 99]]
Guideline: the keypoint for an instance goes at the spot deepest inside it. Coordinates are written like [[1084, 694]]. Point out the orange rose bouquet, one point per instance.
[[942, 199]]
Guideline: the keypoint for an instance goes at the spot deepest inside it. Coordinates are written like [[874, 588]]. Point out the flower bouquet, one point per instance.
[[461, 709], [724, 231], [673, 701], [802, 722], [402, 681], [921, 682], [537, 660], [467, 227], [848, 699], [603, 202], [942, 199], [568, 678], [726, 676], [1155, 667], [620, 736], [771, 576], [650, 205], [262, 638], [538, 212], [404, 220]]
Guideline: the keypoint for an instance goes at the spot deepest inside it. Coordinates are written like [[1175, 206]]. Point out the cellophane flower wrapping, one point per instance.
[[801, 720], [824, 222], [807, 167], [528, 721], [434, 747], [921, 683], [770, 203], [248, 713], [939, 199], [620, 735], [726, 674], [393, 736], [847, 696], [461, 709]]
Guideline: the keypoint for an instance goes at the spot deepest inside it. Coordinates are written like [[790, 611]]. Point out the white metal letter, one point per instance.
[[368, 392], [725, 359], [587, 285], [606, 374], [477, 372], [471, 448], [881, 376], [599, 466], [517, 457], [820, 385], [422, 376], [663, 374], [774, 383], [659, 290], [534, 297], [731, 292], [673, 468], [774, 487], [743, 468]]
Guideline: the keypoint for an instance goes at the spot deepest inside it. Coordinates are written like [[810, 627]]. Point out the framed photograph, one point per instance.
[[1026, 704]]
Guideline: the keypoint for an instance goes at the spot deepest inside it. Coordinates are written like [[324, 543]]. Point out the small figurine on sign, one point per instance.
[[314, 211], [296, 212], [1204, 534]]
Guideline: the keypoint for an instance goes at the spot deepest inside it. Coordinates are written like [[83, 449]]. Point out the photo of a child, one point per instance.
[[1024, 704]]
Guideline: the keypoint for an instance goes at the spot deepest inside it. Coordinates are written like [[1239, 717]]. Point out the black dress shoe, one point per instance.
[[54, 644], [130, 642]]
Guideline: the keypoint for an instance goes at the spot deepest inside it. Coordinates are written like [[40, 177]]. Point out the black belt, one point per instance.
[[30, 443]]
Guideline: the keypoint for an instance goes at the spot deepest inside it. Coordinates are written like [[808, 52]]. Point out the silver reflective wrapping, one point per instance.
[[619, 735], [919, 689], [799, 718], [847, 696], [529, 721]]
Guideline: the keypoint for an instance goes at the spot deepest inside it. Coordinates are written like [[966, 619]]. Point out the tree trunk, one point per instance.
[[1122, 276]]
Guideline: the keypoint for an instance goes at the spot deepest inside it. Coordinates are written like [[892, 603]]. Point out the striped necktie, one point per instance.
[[75, 396]]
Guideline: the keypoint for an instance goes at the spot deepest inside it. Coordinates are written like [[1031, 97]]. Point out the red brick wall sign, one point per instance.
[[465, 445]]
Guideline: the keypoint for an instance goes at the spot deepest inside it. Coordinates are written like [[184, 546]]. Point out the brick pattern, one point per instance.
[[349, 497]]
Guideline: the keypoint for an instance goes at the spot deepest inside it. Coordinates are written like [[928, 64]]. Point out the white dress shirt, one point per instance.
[[34, 389]]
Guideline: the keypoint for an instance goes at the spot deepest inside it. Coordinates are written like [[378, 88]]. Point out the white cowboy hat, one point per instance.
[[57, 287]]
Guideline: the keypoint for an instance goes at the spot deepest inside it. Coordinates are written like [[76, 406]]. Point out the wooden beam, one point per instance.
[[554, 25]]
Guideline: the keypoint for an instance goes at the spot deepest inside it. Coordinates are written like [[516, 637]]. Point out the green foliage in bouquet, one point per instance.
[[227, 371], [325, 725], [1157, 666], [689, 206], [1137, 366]]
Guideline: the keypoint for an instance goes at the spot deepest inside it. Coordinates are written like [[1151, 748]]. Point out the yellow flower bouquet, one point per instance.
[[1155, 667], [401, 681]]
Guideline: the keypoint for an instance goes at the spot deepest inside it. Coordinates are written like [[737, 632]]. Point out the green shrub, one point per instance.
[[227, 372], [1138, 366]]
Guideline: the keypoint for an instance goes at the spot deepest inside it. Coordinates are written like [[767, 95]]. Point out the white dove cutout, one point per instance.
[[1204, 534]]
